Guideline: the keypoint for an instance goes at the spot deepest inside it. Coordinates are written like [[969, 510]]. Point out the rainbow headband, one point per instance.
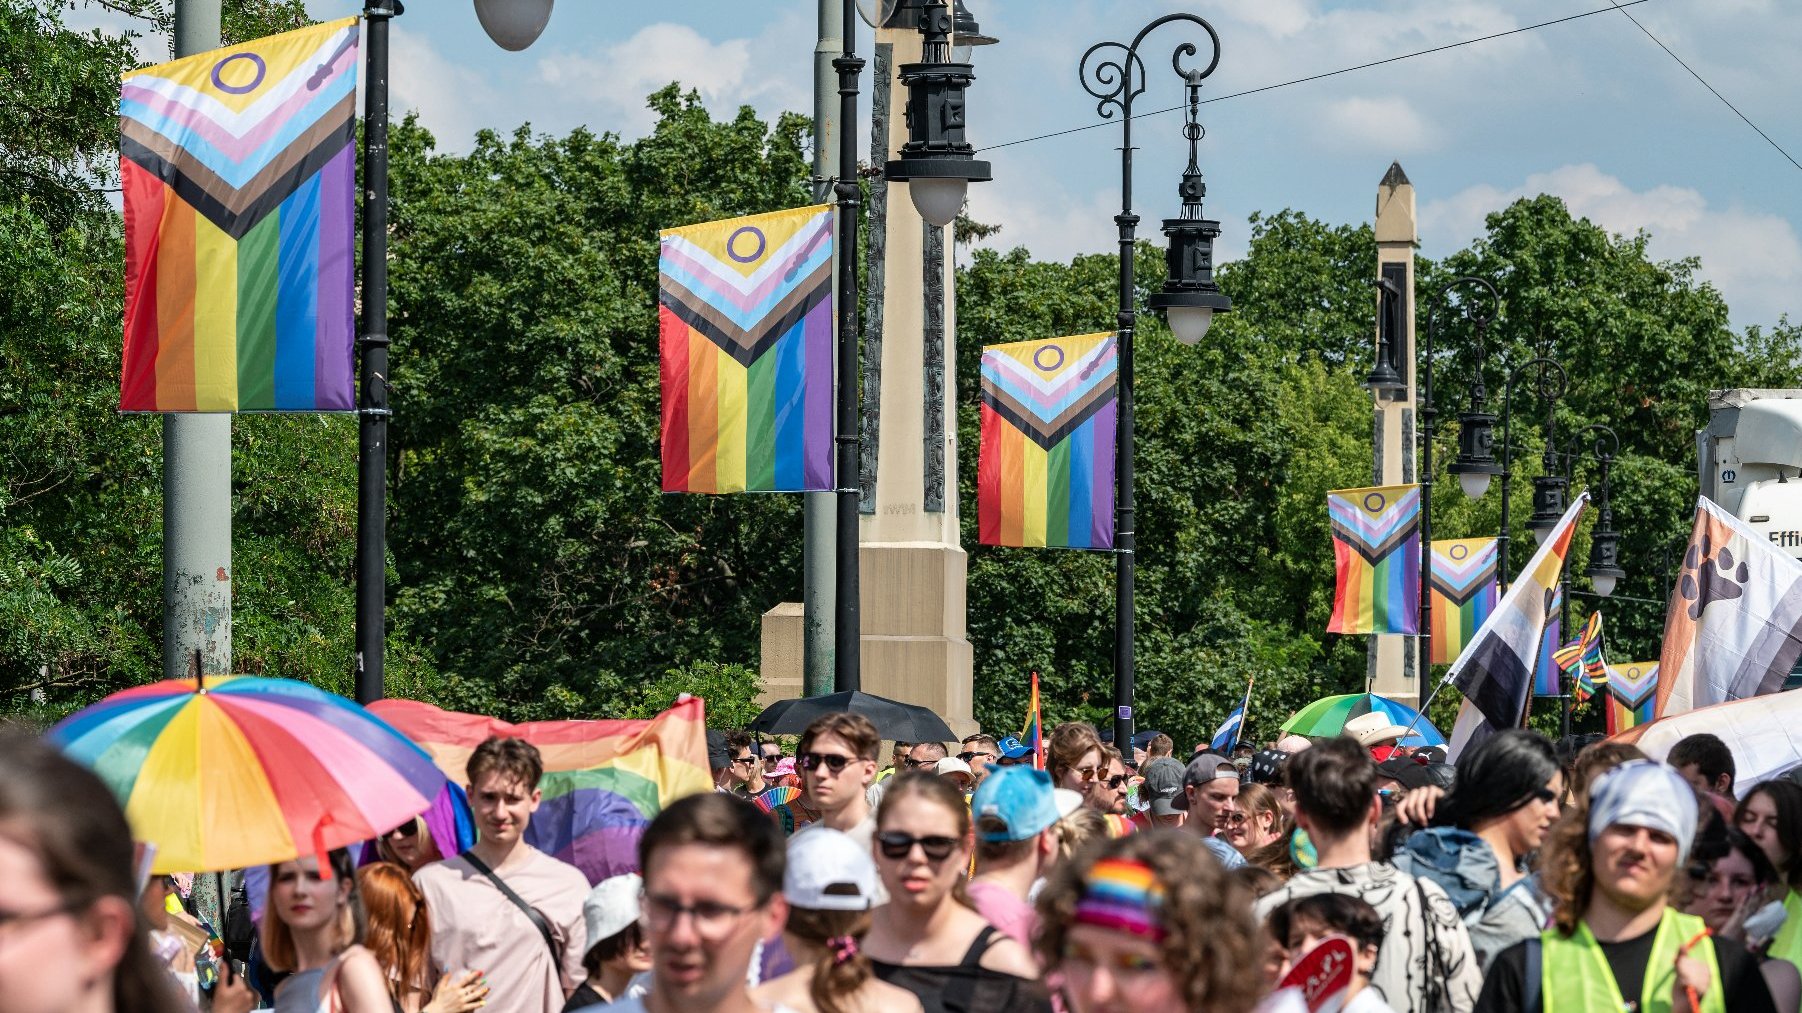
[[1122, 895]]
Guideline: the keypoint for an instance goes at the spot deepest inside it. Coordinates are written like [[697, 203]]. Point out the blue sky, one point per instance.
[[1590, 110]]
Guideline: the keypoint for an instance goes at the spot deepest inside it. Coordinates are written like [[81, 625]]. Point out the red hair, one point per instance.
[[399, 927]]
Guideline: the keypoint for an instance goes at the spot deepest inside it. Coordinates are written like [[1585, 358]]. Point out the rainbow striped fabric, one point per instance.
[[745, 318], [1031, 733], [1632, 694], [1122, 895], [1581, 659], [603, 780], [1376, 549], [1463, 586], [1045, 476], [239, 183]]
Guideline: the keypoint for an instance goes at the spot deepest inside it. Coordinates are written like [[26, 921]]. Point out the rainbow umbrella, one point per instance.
[[235, 771], [1326, 717], [769, 800]]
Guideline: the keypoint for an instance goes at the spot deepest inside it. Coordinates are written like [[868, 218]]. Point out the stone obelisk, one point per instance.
[[1393, 668]]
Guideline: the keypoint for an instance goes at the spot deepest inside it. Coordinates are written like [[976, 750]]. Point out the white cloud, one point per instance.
[[728, 73], [1388, 126], [1753, 257], [452, 100]]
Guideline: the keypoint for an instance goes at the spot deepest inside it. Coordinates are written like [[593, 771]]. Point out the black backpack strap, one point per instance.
[[1529, 993], [531, 913]]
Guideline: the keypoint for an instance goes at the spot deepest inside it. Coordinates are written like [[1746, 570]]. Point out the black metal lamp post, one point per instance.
[[1604, 542], [938, 164], [1548, 489], [1189, 295], [1473, 311]]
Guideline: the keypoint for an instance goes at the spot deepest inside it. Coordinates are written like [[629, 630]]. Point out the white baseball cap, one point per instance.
[[611, 906], [829, 871], [953, 765]]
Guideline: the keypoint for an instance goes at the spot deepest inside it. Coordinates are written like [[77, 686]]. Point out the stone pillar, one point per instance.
[[913, 578], [1393, 659]]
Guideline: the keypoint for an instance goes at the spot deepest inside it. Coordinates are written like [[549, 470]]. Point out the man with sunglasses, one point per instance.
[[837, 760], [712, 891], [1107, 788], [980, 752], [742, 772], [925, 756]]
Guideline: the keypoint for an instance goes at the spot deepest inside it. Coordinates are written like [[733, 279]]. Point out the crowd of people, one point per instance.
[[1350, 870]]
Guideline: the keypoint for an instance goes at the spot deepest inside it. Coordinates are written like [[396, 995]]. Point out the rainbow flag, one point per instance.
[[1045, 476], [745, 318], [1546, 670], [1032, 734], [1632, 694], [1581, 659], [603, 780], [239, 184], [1376, 549], [1463, 587]]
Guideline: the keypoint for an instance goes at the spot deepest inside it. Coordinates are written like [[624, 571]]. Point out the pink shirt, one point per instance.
[[1000, 908], [475, 927]]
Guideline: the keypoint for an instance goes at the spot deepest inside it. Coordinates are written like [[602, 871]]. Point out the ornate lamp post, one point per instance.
[[1189, 295], [1604, 542], [1548, 488], [1380, 378]]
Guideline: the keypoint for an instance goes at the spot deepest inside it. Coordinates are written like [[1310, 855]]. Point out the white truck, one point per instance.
[[1750, 460]]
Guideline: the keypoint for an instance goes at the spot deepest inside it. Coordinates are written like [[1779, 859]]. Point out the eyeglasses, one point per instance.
[[746, 760], [1546, 795], [1235, 819], [834, 762], [914, 764], [895, 844], [968, 757], [1088, 773], [1116, 781], [407, 829], [772, 757], [26, 917], [712, 919]]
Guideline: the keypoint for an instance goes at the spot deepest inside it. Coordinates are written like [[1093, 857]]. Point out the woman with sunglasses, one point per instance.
[[1073, 756], [1504, 800], [927, 939], [1256, 819], [1148, 923], [409, 845]]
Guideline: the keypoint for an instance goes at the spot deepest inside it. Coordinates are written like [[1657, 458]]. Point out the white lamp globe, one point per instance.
[[1603, 583], [938, 199], [513, 24], [1474, 483], [1190, 323]]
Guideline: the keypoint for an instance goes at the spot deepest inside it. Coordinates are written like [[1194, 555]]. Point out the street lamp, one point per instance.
[[1389, 333], [1551, 383], [937, 163], [1604, 570], [1189, 295]]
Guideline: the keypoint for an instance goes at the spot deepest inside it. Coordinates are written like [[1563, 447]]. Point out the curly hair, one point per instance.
[[1566, 873], [1210, 938], [1593, 760]]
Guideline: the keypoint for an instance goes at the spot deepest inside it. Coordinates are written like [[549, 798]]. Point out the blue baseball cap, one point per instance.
[[1013, 749], [1023, 799]]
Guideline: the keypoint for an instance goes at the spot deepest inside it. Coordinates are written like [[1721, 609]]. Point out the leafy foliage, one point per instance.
[[538, 572]]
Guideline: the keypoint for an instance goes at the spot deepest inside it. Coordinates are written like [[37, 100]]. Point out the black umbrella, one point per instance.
[[902, 722]]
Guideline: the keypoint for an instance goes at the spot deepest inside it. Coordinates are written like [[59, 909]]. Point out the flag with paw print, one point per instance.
[[1734, 626]]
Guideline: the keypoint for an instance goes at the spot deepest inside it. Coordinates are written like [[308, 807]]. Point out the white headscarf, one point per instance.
[[1644, 793]]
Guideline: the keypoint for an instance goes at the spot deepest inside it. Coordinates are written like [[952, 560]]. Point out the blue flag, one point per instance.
[[1227, 735]]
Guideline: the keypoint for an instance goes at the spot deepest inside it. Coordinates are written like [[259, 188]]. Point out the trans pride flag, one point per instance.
[[745, 325], [1632, 694], [239, 185], [1376, 549], [1463, 587], [1045, 476], [603, 780]]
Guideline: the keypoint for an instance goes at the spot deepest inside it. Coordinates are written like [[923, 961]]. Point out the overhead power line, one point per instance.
[[1692, 73], [1620, 6]]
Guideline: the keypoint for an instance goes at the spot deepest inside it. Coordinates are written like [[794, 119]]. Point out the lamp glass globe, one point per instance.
[[1541, 534], [937, 199], [1474, 484], [513, 24], [1603, 583], [1190, 323]]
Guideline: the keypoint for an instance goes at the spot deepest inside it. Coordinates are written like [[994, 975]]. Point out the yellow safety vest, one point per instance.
[[1787, 944], [1575, 978]]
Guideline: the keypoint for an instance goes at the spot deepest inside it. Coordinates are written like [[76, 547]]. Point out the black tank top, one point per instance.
[[966, 986]]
